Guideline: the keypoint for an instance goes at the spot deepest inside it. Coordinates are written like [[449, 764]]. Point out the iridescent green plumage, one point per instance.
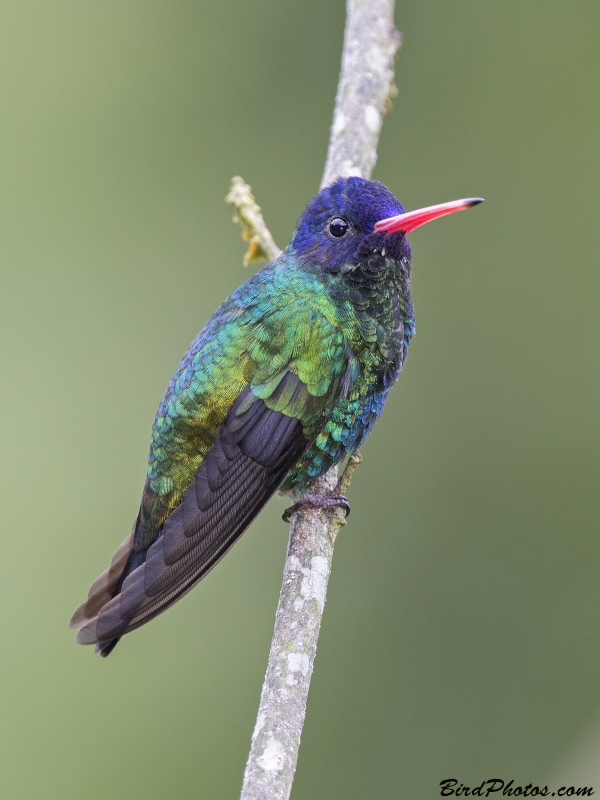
[[250, 341], [343, 353], [285, 379]]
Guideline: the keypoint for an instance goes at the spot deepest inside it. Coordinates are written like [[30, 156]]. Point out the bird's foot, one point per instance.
[[318, 501]]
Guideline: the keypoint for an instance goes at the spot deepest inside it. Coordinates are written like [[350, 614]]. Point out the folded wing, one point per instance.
[[248, 399], [254, 450]]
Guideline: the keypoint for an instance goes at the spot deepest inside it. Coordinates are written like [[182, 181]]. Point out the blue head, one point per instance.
[[337, 226], [352, 220]]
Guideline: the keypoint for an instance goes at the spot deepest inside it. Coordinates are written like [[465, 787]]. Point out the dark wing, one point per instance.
[[254, 450], [249, 397]]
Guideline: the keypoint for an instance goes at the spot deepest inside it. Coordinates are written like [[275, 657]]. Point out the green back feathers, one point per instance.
[[279, 323]]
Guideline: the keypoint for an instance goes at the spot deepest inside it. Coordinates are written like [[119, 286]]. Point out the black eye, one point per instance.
[[338, 227]]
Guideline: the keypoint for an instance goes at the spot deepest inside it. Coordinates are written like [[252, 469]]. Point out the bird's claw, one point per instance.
[[318, 501]]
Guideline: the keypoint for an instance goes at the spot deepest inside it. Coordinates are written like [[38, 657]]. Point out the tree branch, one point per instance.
[[364, 92], [254, 229], [365, 89]]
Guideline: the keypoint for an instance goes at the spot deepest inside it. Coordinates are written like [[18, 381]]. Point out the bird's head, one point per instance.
[[353, 218]]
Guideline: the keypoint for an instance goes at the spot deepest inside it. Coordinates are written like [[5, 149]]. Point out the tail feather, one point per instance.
[[102, 590], [239, 474]]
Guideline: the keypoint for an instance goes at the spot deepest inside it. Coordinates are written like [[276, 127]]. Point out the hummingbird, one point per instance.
[[285, 380]]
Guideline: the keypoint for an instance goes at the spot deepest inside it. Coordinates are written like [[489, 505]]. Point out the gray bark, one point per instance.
[[365, 88]]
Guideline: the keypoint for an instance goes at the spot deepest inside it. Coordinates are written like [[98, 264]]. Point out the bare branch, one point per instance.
[[365, 89], [276, 738]]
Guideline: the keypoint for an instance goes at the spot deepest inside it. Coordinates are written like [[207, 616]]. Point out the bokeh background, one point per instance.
[[461, 636]]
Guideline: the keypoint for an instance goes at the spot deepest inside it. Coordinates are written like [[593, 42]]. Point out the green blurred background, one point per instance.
[[461, 634]]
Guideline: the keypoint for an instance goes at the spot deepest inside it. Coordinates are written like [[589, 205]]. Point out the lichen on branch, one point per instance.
[[254, 230]]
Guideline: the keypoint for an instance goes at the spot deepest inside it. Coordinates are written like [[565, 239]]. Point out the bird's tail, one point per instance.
[[104, 589]]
